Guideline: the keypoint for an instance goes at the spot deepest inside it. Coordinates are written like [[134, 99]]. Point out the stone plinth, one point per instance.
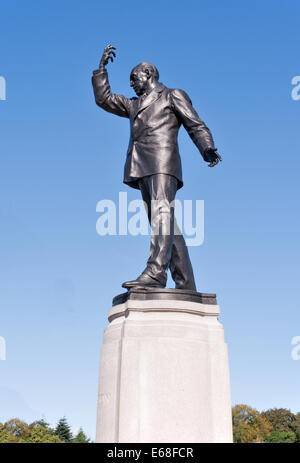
[[164, 370]]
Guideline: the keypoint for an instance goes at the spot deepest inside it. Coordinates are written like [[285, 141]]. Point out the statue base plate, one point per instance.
[[146, 294]]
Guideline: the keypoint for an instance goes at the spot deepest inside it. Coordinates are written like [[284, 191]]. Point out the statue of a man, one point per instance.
[[153, 163]]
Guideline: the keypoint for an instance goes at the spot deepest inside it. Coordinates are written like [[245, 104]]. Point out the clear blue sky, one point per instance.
[[60, 155]]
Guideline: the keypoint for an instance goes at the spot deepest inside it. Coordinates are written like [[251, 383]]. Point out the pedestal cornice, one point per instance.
[[164, 300]]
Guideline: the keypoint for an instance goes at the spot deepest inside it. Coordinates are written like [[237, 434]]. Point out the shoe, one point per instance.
[[143, 280], [186, 286]]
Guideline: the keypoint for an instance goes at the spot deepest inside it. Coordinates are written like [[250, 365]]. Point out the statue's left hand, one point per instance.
[[212, 157]]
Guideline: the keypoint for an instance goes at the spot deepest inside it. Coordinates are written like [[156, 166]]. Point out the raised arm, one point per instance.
[[196, 128], [116, 104]]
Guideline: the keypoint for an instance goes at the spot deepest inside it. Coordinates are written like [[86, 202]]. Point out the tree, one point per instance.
[[4, 437], [42, 434], [296, 426], [281, 437], [63, 430], [41, 422], [281, 419], [243, 432], [81, 438], [249, 425], [15, 430]]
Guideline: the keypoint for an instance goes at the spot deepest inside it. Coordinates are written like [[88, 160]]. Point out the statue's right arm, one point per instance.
[[116, 104]]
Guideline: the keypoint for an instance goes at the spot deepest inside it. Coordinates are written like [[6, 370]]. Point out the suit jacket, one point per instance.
[[154, 120]]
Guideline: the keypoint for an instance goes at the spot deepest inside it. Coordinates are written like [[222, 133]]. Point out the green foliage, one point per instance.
[[40, 434], [63, 430], [276, 425], [281, 437], [249, 425], [81, 438], [17, 431], [4, 436], [281, 419], [296, 426], [14, 431], [41, 422]]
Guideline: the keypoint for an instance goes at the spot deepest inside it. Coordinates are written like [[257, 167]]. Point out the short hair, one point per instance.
[[145, 65]]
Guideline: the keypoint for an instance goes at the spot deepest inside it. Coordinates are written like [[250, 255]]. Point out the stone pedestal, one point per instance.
[[164, 370]]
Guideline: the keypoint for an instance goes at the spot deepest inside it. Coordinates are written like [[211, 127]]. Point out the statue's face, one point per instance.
[[139, 80]]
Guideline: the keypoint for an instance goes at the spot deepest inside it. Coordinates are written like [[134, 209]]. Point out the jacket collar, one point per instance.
[[150, 98]]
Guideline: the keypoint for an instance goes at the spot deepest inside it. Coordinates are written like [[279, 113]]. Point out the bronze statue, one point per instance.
[[153, 163]]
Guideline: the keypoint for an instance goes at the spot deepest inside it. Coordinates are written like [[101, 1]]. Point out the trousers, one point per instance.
[[168, 249]]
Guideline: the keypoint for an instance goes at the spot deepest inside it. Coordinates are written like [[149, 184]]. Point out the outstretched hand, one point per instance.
[[107, 55], [213, 157]]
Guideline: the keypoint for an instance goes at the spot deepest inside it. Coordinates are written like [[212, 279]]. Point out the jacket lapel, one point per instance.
[[153, 96]]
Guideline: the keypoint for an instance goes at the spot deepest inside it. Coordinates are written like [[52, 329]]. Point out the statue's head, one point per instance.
[[141, 75]]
